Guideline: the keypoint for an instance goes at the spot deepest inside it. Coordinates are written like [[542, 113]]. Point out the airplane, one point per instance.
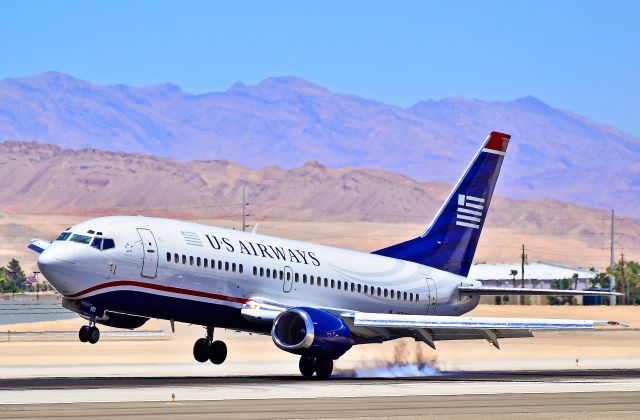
[[315, 301]]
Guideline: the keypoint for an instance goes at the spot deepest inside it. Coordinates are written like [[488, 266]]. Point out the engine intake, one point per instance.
[[312, 332]]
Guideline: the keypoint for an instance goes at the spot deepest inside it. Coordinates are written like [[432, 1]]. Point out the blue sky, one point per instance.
[[578, 55]]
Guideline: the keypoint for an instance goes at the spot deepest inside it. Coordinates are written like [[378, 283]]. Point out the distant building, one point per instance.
[[536, 276]]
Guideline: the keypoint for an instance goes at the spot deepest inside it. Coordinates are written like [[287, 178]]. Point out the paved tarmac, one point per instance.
[[535, 394], [601, 405]]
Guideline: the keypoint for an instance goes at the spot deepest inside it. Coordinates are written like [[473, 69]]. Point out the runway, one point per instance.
[[557, 394]]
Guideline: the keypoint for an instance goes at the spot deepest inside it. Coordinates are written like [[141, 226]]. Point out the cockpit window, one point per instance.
[[108, 243], [63, 236], [97, 243], [80, 238]]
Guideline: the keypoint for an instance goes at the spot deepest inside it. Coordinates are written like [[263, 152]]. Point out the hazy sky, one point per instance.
[[577, 55]]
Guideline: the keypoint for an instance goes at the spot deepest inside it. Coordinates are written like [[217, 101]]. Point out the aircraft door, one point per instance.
[[287, 281], [432, 296], [150, 253]]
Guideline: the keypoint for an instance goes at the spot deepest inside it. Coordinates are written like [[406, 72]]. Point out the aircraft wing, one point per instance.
[[362, 319], [483, 290], [428, 328]]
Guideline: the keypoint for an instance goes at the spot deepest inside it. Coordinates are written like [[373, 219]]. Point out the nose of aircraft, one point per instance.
[[56, 263]]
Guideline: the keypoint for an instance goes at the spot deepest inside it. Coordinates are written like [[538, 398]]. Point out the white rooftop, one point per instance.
[[537, 271]]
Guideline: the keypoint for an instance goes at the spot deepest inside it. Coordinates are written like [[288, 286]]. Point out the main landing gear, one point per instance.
[[89, 333], [206, 349], [320, 366]]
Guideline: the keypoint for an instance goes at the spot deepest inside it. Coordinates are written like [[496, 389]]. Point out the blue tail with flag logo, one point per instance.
[[450, 242]]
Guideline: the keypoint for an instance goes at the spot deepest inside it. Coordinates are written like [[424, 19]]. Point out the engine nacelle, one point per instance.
[[312, 332]]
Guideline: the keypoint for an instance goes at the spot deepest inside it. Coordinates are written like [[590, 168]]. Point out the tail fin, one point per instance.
[[450, 242]]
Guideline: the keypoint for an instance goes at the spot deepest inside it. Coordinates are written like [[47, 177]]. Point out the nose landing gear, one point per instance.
[[89, 333], [206, 349]]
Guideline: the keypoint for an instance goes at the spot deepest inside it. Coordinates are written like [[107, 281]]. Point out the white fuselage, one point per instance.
[[157, 269]]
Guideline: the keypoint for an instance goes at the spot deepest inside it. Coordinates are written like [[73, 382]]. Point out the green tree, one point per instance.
[[6, 284], [14, 267], [627, 276], [562, 284]]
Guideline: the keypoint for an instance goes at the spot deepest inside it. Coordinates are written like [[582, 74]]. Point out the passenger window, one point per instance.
[[417, 297], [366, 289], [288, 275], [255, 271], [176, 258], [346, 285], [226, 266], [379, 291], [184, 259], [206, 263], [281, 275], [213, 264], [198, 261], [261, 272], [359, 288], [404, 295], [219, 265], [311, 280], [191, 260], [268, 273], [333, 284], [233, 267], [304, 278], [168, 256], [296, 277], [353, 287], [411, 297], [97, 243], [393, 296], [326, 282], [339, 285], [240, 268], [385, 293]]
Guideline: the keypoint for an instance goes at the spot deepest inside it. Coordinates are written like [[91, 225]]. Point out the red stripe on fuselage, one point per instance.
[[161, 288], [498, 141]]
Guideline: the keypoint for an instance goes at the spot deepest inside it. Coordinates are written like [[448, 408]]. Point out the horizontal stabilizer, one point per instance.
[[499, 291], [38, 245]]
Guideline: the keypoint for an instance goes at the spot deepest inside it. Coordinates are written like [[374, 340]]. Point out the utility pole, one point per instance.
[[625, 286], [244, 212], [612, 261], [523, 258]]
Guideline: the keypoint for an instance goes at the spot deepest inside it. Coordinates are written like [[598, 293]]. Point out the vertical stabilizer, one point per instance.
[[450, 242]]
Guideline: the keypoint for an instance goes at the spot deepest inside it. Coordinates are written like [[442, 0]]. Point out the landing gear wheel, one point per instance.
[[217, 352], [83, 334], [93, 335], [324, 367], [201, 350], [307, 366]]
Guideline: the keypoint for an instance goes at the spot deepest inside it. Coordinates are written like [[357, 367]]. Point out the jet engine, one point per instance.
[[311, 332]]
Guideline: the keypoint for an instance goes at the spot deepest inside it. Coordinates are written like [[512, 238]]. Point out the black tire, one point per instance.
[[93, 335], [324, 368], [201, 350], [217, 352], [83, 334], [307, 366]]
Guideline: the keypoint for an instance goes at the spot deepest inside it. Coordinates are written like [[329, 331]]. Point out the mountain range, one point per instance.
[[42, 179], [287, 121]]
